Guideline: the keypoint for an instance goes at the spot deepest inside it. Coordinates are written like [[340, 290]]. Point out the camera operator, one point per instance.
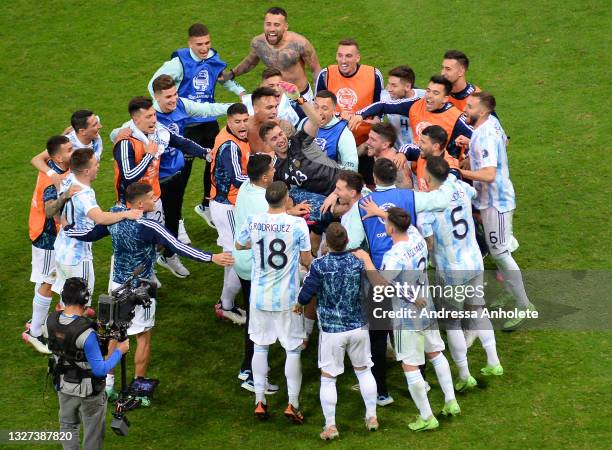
[[80, 368], [134, 244]]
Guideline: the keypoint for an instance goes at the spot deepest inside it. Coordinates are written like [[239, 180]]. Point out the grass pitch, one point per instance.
[[547, 64]]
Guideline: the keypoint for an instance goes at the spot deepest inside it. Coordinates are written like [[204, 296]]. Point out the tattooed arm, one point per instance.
[[310, 58], [249, 62]]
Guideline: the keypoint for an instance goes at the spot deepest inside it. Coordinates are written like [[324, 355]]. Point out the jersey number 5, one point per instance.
[[277, 249], [457, 222]]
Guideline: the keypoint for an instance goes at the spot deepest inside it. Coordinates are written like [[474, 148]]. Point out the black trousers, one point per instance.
[[203, 134], [172, 193], [248, 343], [378, 347], [366, 169]]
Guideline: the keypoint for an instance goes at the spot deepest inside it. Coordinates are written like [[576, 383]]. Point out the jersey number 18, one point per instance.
[[277, 259]]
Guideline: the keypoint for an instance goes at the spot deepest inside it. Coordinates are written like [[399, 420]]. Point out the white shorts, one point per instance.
[[498, 231], [144, 318], [43, 266], [84, 270], [411, 346], [266, 327], [468, 293], [477, 288], [333, 346], [157, 214], [223, 218]]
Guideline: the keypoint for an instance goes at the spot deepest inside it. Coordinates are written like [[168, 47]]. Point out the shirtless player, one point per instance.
[[284, 50]]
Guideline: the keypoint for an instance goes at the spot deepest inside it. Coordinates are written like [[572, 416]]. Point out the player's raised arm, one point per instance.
[[246, 65], [312, 124]]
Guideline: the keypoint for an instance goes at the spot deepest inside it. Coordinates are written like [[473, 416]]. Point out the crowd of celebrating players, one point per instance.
[[321, 198]]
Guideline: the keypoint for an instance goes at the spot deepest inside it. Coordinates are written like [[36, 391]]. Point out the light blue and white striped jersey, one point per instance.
[[488, 149], [399, 122], [405, 263], [70, 251], [95, 145], [276, 241], [251, 200], [456, 252]]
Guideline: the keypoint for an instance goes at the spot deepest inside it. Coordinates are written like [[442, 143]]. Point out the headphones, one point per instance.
[[75, 292]]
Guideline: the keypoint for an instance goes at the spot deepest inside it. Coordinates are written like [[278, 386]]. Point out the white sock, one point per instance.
[[367, 387], [259, 365], [513, 278], [329, 399], [40, 310], [487, 339], [458, 350], [445, 378], [418, 391], [293, 372], [110, 381], [231, 287]]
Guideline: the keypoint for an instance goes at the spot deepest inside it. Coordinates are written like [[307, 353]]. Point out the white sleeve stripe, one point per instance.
[[77, 231], [379, 76], [462, 120], [235, 162], [178, 244], [131, 173], [322, 73]]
